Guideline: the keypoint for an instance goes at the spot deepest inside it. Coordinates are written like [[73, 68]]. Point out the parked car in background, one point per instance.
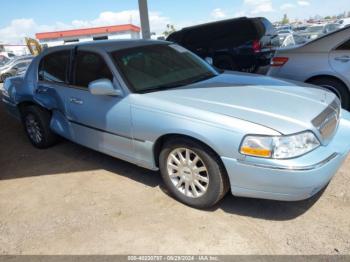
[[284, 27], [9, 55], [5, 57], [344, 22], [282, 35], [299, 28], [328, 28], [324, 61], [15, 67], [157, 105], [314, 31], [242, 44]]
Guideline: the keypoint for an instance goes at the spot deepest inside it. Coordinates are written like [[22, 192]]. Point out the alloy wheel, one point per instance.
[[33, 129], [188, 172]]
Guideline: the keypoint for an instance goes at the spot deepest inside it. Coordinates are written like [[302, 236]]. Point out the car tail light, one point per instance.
[[256, 46], [279, 61]]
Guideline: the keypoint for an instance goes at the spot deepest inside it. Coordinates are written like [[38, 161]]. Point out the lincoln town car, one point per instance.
[[159, 106]]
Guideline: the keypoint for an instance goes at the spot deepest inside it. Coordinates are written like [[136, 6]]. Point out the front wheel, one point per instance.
[[192, 173]]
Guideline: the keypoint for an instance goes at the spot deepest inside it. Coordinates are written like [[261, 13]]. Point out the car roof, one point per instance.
[[324, 43], [107, 45]]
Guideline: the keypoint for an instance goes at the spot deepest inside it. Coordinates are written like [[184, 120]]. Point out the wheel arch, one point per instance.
[[159, 143], [25, 103], [315, 77], [320, 76]]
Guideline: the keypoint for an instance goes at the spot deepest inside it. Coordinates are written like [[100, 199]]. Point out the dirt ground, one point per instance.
[[72, 200]]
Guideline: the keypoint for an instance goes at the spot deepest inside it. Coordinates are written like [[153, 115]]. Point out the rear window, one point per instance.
[[54, 67]]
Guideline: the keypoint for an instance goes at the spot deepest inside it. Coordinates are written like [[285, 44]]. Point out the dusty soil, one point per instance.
[[72, 200]]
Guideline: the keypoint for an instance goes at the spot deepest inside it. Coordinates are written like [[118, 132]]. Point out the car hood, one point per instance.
[[279, 105]]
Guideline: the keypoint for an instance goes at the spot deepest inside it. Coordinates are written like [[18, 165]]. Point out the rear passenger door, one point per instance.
[[52, 88], [340, 59], [101, 122]]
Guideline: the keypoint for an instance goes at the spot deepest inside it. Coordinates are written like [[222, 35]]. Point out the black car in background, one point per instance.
[[242, 44]]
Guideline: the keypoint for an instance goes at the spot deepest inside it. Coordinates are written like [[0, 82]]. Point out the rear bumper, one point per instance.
[[290, 180]]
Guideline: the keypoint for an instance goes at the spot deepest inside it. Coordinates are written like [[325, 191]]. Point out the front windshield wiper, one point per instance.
[[179, 83]]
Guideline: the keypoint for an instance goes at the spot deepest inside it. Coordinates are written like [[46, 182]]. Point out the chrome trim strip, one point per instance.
[[291, 168], [328, 120]]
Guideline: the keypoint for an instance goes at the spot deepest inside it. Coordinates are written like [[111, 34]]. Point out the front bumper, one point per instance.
[[293, 179]]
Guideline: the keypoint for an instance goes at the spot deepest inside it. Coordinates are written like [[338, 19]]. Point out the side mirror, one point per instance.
[[103, 87], [209, 60]]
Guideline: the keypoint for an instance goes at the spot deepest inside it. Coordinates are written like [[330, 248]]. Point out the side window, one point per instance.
[[54, 67], [345, 46], [90, 67]]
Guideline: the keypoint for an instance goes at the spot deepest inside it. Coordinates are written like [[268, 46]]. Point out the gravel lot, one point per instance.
[[72, 200]]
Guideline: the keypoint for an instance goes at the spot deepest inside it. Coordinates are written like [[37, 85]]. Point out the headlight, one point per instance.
[[279, 147]]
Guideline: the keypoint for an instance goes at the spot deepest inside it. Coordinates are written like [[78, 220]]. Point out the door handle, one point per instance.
[[343, 59], [41, 90], [76, 100]]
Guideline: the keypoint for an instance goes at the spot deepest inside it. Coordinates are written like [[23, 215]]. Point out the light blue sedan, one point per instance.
[[157, 105]]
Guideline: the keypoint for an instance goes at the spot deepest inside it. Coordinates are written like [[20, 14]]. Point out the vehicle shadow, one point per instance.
[[266, 209], [262, 208]]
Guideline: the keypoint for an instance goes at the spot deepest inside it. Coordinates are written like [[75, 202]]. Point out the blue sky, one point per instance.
[[21, 17]]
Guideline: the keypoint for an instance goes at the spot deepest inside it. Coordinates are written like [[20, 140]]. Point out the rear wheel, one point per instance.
[[335, 86], [193, 173], [36, 122]]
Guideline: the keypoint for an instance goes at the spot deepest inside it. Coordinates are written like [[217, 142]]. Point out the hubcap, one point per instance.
[[188, 172], [33, 129]]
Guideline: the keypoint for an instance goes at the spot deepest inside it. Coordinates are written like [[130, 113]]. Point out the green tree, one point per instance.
[[169, 30], [285, 20]]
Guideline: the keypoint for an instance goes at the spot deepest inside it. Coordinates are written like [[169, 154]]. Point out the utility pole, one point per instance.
[[143, 9]]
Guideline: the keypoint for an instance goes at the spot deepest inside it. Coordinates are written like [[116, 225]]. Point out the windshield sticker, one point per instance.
[[178, 48]]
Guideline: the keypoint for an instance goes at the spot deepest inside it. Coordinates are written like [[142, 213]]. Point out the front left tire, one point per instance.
[[36, 122], [192, 173]]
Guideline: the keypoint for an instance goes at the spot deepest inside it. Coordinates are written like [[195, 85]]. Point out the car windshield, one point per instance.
[[159, 67]]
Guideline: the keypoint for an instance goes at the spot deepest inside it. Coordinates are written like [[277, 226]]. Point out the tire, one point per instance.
[[335, 86], [225, 62], [214, 180], [36, 122]]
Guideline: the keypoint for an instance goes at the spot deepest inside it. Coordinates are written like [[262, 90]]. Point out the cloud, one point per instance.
[[303, 3], [239, 14], [287, 6], [20, 28], [259, 6], [218, 13]]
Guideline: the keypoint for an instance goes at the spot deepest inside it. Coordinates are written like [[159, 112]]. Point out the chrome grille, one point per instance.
[[327, 122]]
